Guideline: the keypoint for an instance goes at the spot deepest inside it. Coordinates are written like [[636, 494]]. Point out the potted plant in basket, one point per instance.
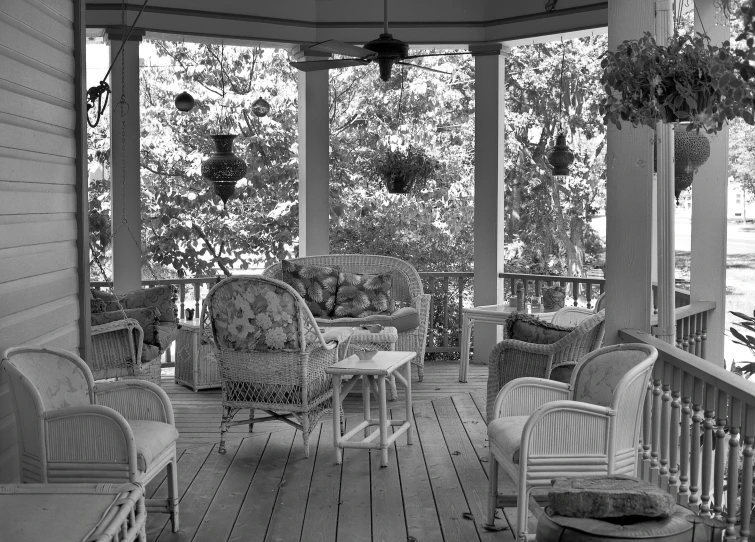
[[402, 170], [687, 80]]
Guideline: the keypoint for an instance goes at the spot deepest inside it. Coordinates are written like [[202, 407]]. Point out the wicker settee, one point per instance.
[[406, 290]]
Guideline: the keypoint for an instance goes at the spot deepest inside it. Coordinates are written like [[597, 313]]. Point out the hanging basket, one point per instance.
[[691, 150], [223, 168]]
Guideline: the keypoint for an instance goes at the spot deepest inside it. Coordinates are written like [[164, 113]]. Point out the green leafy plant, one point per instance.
[[686, 80], [404, 170], [744, 368]]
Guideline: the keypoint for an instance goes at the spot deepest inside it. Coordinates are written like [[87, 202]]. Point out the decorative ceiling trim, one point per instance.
[[93, 6]]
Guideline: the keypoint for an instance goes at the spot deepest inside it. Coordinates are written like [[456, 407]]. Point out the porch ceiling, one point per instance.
[[420, 22]]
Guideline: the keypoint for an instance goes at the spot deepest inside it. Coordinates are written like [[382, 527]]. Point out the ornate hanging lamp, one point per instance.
[[691, 150], [560, 156], [260, 107]]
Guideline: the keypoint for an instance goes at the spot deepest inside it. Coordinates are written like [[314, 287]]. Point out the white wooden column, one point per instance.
[[709, 201], [314, 134], [125, 170], [666, 328], [629, 211], [490, 117]]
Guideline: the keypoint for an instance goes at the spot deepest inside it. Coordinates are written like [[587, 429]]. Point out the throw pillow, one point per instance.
[[111, 302], [315, 284], [160, 297], [148, 318], [529, 328], [404, 319], [362, 295], [97, 306]]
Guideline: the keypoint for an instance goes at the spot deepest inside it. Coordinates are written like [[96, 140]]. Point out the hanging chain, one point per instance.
[[561, 88]]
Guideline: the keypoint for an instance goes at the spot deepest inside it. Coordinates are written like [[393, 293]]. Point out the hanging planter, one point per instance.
[[223, 168], [403, 170], [691, 150]]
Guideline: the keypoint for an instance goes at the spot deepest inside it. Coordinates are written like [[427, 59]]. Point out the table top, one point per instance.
[[48, 512], [505, 310], [382, 364]]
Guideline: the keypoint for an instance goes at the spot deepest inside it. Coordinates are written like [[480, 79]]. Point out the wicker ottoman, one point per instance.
[[384, 340], [80, 512], [196, 364]]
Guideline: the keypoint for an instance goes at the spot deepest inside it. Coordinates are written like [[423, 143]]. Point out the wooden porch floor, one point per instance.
[[264, 489]]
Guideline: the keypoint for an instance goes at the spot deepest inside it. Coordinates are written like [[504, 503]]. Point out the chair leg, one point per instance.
[[173, 493], [305, 433], [251, 416], [227, 416], [420, 372], [492, 488], [522, 513]]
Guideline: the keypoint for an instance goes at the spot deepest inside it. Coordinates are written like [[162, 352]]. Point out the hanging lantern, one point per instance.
[[260, 107], [184, 102], [560, 157], [223, 168], [691, 150]]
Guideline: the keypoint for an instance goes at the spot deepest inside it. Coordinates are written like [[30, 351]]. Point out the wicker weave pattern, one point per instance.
[[512, 359], [406, 289], [115, 347], [292, 381]]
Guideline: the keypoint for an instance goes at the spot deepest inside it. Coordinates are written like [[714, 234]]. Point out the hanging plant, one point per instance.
[[687, 80], [403, 170]]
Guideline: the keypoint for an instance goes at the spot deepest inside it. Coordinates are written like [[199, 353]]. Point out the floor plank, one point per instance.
[[321, 517], [291, 503], [354, 512], [224, 509], [254, 516], [447, 491], [388, 522]]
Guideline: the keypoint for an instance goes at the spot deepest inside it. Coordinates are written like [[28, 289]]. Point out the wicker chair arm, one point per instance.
[[95, 432], [136, 400], [522, 396], [558, 418], [422, 303], [116, 348]]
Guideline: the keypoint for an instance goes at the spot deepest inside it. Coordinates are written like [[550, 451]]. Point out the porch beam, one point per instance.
[[629, 198], [125, 169], [709, 210], [490, 122], [314, 167]]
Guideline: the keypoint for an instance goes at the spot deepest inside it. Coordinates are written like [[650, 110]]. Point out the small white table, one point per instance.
[[487, 314], [196, 364], [385, 339], [380, 367]]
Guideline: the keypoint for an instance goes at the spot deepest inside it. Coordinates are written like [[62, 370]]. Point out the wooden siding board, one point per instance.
[[64, 8], [34, 264], [21, 234], [32, 74], [27, 202], [28, 325], [26, 40], [40, 19], [18, 296], [37, 106], [26, 167], [29, 135]]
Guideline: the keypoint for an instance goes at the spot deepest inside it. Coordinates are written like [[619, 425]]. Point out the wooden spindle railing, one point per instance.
[[587, 288], [701, 421]]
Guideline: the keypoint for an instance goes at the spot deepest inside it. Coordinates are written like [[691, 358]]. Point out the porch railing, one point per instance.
[[698, 435], [587, 288]]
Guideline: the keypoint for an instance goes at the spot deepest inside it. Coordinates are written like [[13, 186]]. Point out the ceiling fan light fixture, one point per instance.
[[385, 65]]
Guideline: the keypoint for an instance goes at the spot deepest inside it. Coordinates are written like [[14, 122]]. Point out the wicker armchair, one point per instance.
[[512, 359], [272, 354], [406, 288], [539, 429], [71, 430]]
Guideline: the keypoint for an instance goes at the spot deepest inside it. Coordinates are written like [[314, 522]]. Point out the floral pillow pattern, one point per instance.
[[316, 285], [530, 329], [363, 295], [255, 316], [160, 297], [148, 318], [597, 381]]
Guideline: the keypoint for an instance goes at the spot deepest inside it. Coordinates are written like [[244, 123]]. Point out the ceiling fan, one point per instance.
[[386, 51]]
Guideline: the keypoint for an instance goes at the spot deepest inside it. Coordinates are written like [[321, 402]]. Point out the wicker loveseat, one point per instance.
[[406, 290]]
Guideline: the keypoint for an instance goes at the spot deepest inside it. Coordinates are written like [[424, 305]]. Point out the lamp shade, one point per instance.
[[184, 102], [223, 168], [560, 157]]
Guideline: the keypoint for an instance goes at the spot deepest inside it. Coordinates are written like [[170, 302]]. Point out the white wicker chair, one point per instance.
[[406, 288], [71, 430], [540, 429], [571, 316], [271, 352]]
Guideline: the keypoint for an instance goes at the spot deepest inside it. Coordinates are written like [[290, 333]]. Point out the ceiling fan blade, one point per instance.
[[422, 67], [317, 65], [341, 48], [438, 54]]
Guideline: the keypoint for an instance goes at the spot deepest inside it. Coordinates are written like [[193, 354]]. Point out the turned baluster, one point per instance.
[[678, 335], [697, 421], [667, 371], [722, 408], [647, 411], [704, 336], [746, 491], [698, 335], [676, 387], [685, 334], [655, 444], [735, 421], [708, 425], [685, 445], [182, 299]]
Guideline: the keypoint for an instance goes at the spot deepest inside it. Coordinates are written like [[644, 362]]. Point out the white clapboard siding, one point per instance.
[[39, 260]]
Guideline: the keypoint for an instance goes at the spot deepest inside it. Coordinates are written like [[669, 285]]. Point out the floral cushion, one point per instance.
[[160, 297], [316, 285], [597, 379], [362, 295], [530, 329], [148, 318], [97, 306], [254, 315], [110, 301]]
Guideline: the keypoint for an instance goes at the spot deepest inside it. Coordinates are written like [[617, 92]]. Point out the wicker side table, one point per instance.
[[86, 512], [383, 341], [196, 364]]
